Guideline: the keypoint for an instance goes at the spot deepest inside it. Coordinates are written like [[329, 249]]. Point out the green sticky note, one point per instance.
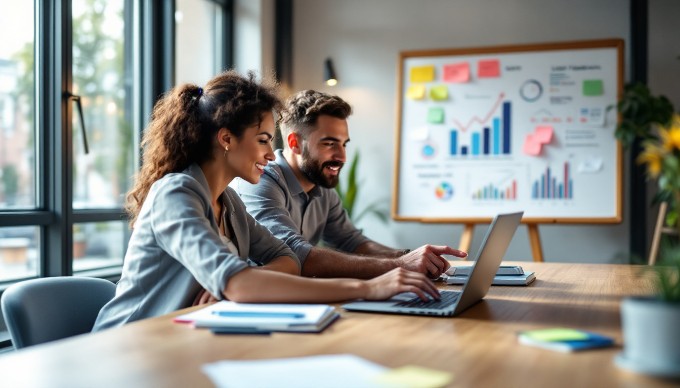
[[439, 93], [593, 87], [435, 116], [556, 334], [413, 376]]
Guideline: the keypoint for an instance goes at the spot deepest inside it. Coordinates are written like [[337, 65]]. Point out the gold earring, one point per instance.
[[226, 149]]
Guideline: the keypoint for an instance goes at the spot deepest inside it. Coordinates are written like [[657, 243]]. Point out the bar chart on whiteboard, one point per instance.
[[491, 132]]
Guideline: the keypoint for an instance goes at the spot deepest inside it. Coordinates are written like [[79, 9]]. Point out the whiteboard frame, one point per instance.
[[617, 44]]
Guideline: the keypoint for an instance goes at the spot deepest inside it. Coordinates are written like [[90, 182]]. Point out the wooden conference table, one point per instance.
[[479, 347]]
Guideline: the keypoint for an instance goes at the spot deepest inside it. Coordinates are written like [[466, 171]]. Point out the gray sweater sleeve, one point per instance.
[[264, 247], [182, 229]]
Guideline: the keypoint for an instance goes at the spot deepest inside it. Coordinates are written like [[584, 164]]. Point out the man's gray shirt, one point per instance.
[[175, 250], [300, 219]]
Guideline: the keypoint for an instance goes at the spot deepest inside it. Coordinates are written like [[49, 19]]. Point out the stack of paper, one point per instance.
[[231, 317], [511, 275], [564, 340]]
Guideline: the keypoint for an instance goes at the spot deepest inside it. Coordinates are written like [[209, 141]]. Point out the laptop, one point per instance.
[[452, 303]]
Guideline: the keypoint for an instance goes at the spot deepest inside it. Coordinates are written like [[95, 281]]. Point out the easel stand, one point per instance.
[[659, 229], [534, 240], [466, 238]]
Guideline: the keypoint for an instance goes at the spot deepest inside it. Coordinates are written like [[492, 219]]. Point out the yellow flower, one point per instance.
[[674, 133], [652, 156]]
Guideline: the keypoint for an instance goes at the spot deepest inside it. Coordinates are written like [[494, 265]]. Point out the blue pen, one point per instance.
[[258, 314]]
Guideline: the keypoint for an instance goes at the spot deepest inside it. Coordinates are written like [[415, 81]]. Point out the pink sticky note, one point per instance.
[[543, 134], [531, 146], [457, 72], [489, 68]]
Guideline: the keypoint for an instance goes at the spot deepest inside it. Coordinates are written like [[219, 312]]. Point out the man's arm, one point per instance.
[[323, 262], [372, 248]]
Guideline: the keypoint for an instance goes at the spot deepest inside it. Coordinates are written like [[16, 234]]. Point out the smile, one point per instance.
[[260, 166]]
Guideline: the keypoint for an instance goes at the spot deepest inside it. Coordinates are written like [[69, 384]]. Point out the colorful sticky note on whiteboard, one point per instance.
[[593, 87], [457, 72], [415, 92], [439, 93], [489, 68], [435, 115], [543, 134], [531, 146], [422, 73]]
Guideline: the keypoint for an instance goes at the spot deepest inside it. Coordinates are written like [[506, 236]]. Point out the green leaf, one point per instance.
[[349, 195]]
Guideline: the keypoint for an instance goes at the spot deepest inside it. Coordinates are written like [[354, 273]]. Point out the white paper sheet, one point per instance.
[[337, 370]]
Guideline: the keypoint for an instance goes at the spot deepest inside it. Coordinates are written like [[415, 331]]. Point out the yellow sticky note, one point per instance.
[[415, 92], [422, 74], [414, 376], [439, 93], [556, 334]]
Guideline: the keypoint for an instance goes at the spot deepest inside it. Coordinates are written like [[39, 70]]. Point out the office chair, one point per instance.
[[48, 309]]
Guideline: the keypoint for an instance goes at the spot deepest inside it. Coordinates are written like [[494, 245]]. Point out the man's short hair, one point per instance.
[[302, 110]]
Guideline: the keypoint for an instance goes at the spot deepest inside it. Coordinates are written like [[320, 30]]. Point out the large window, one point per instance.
[[61, 208]]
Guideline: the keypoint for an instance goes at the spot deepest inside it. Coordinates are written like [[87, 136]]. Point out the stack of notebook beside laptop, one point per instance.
[[507, 275], [245, 318]]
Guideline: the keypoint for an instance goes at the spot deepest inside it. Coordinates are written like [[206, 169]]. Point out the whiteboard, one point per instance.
[[501, 129]]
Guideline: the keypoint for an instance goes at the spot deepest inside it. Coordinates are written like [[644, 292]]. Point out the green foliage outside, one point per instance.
[[94, 76], [10, 183]]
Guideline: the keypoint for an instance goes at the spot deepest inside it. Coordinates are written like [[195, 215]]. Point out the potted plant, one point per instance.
[[348, 196], [650, 323]]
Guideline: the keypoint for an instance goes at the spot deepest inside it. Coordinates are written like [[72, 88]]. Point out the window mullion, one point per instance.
[[56, 126]]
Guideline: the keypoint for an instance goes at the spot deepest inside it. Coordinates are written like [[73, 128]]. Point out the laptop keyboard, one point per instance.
[[447, 299]]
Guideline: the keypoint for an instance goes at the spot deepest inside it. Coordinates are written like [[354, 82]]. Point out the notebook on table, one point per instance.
[[513, 275], [452, 303], [244, 318]]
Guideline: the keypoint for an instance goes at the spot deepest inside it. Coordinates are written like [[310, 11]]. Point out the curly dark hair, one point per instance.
[[302, 110], [185, 121]]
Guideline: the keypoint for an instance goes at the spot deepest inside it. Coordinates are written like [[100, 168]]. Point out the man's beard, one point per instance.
[[313, 170]]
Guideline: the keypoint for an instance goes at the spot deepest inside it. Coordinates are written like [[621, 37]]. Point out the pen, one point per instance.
[[258, 314], [239, 330]]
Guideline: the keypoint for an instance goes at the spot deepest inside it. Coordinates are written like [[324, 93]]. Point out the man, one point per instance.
[[295, 199]]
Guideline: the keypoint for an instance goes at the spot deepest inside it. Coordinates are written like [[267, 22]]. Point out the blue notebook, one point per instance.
[[564, 340]]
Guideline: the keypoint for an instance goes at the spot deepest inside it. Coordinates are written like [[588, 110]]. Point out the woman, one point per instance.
[[192, 232]]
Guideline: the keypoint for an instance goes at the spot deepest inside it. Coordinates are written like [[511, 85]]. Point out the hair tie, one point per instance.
[[200, 92]]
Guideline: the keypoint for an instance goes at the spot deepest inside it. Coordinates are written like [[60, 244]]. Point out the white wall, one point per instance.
[[364, 38], [664, 49]]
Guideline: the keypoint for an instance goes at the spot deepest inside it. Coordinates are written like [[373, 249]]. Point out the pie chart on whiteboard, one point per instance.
[[444, 191], [531, 90]]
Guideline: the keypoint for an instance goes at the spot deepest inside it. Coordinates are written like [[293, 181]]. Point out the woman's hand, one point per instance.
[[203, 297], [401, 280]]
